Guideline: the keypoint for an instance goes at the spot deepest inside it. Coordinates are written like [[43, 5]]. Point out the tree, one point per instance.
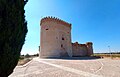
[[13, 30], [27, 55]]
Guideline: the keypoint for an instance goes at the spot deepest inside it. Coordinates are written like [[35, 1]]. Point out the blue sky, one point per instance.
[[97, 21]]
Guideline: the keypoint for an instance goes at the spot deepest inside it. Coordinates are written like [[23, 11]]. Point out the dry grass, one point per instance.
[[113, 56], [23, 61]]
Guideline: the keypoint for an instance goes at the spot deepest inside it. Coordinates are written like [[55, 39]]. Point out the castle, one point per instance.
[[55, 40]]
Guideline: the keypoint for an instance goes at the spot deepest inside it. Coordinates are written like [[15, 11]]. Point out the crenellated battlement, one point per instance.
[[87, 43], [54, 19], [55, 40], [82, 49]]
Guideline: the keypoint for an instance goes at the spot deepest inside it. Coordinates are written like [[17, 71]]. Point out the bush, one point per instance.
[[21, 57], [27, 56]]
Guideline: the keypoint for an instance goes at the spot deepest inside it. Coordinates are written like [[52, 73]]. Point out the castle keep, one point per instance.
[[55, 40]]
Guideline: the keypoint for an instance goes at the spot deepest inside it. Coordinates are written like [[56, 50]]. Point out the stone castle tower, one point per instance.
[[55, 38]]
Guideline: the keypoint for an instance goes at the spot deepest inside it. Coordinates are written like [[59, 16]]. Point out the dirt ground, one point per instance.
[[76, 67]]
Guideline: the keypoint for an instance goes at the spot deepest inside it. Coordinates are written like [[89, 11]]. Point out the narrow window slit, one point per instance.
[[63, 38], [61, 45], [46, 29]]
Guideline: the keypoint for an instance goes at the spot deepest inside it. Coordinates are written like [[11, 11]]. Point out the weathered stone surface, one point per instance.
[[82, 49], [56, 40]]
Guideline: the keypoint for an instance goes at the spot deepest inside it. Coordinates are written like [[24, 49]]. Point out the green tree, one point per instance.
[[13, 30], [27, 55]]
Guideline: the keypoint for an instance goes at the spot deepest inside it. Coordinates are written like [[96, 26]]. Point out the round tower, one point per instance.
[[90, 48], [55, 38]]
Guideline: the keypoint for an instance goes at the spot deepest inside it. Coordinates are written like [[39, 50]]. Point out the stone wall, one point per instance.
[[82, 49], [89, 48], [55, 38]]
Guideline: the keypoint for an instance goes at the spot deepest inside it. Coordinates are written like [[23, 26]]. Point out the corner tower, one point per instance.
[[90, 48], [55, 38]]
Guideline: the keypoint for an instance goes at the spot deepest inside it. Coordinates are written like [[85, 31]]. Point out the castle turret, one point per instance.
[[55, 38], [90, 48]]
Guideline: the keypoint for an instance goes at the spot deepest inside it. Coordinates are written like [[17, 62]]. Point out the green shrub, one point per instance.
[[27, 56]]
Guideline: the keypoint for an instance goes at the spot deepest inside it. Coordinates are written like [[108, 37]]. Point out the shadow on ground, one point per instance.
[[75, 58]]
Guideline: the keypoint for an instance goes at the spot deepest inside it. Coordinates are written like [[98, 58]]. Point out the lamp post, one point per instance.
[[110, 51]]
